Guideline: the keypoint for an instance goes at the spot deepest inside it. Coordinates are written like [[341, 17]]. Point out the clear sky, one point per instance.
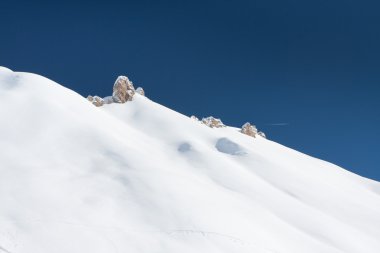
[[307, 73]]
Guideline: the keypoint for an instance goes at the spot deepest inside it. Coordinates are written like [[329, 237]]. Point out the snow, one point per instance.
[[227, 146], [139, 177]]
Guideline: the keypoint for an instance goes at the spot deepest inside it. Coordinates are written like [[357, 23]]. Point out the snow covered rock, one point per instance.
[[262, 134], [140, 91], [108, 100], [194, 118], [95, 100], [249, 129], [213, 122], [123, 90]]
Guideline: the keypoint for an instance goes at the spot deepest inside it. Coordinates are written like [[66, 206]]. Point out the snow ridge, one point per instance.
[[139, 177]]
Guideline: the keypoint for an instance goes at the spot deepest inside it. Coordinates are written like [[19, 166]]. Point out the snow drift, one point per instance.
[[139, 177]]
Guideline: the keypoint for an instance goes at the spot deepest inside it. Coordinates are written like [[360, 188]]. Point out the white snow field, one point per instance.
[[141, 178]]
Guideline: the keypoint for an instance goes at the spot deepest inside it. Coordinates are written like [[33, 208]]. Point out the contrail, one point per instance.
[[278, 124]]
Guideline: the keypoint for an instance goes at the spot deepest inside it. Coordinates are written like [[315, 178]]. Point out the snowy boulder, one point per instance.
[[213, 122], [108, 100], [95, 100], [262, 134], [194, 118], [249, 129], [140, 91], [123, 90]]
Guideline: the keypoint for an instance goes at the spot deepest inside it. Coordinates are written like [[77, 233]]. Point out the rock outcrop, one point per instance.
[[249, 129], [213, 122], [95, 100], [123, 90]]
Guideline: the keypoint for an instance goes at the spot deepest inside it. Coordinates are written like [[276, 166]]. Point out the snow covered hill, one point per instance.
[[140, 178]]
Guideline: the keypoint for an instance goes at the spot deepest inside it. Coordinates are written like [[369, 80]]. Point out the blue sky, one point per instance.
[[312, 65]]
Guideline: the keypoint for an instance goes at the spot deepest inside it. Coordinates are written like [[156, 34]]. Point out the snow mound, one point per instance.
[[138, 177], [184, 147], [227, 146], [5, 70]]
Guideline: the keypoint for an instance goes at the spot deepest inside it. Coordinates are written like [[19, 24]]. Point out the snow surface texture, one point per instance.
[[139, 177]]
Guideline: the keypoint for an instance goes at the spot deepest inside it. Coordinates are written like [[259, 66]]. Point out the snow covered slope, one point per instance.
[[139, 177]]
